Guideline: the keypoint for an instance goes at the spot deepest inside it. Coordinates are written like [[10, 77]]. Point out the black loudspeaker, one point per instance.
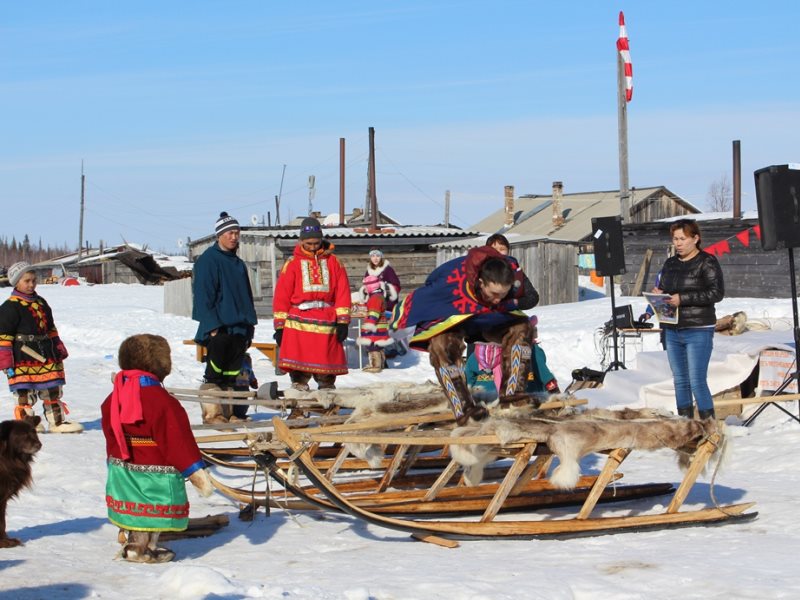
[[609, 254], [778, 198]]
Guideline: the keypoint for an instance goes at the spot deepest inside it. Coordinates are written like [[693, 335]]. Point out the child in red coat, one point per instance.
[[150, 449]]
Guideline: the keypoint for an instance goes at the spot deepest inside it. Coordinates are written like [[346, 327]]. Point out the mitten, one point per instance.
[[278, 336], [60, 348], [202, 482], [6, 360], [341, 331]]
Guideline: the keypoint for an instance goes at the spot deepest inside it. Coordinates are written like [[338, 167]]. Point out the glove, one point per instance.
[[202, 482], [60, 348], [341, 331], [6, 360], [278, 336]]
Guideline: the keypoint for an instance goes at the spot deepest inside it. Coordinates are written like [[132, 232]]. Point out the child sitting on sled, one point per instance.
[[150, 450], [484, 369]]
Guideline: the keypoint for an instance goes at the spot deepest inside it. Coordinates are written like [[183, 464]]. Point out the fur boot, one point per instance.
[[446, 350], [212, 412], [375, 362], [24, 409], [54, 412], [142, 547]]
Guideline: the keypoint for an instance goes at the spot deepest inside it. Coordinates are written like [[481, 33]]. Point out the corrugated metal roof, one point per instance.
[[533, 213], [349, 232]]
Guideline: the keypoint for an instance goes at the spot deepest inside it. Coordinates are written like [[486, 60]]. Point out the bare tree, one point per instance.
[[720, 195]]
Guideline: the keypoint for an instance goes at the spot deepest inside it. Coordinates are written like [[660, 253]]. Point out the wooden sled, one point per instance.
[[488, 527]]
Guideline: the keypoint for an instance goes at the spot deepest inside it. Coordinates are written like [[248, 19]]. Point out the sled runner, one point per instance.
[[487, 527]]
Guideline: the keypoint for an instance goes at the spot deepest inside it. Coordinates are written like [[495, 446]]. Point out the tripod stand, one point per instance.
[[616, 364], [792, 376]]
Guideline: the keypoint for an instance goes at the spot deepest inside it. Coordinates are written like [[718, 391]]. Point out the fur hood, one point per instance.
[[389, 289]]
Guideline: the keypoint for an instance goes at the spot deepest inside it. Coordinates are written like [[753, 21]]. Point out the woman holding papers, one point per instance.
[[693, 280]]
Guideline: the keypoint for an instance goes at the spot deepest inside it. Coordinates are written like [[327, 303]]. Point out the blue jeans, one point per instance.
[[689, 351]]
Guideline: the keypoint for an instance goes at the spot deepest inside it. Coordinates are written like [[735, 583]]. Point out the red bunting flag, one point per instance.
[[757, 231], [744, 237], [719, 248], [625, 53]]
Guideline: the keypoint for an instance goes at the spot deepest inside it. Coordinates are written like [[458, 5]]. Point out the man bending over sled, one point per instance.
[[477, 297]]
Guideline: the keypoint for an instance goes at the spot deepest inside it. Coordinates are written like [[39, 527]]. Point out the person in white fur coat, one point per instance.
[[380, 291]]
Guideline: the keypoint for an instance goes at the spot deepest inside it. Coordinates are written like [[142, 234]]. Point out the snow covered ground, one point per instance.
[[70, 546]]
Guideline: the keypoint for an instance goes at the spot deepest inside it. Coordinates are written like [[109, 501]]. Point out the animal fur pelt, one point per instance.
[[19, 443], [573, 436], [382, 400]]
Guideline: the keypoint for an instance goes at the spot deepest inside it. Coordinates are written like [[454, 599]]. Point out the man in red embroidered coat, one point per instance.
[[150, 449], [311, 309]]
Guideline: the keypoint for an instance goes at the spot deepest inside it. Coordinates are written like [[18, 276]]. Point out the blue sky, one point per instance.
[[182, 109]]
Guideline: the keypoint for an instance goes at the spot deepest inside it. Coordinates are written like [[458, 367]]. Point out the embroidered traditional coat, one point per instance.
[[311, 297], [147, 492], [449, 299], [28, 321]]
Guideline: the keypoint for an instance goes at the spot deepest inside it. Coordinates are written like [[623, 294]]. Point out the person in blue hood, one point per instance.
[[223, 306]]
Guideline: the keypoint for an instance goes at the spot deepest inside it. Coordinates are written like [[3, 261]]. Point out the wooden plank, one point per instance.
[[757, 400], [699, 460], [444, 478], [615, 458], [637, 286], [523, 456], [435, 539], [391, 470], [536, 470]]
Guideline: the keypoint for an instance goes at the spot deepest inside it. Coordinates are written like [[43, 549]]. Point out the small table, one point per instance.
[[634, 336]]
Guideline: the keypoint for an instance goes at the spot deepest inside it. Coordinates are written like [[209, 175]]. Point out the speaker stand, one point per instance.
[[616, 364], [792, 376]]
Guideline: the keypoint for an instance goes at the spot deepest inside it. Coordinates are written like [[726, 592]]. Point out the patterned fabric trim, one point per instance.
[[164, 469], [322, 283]]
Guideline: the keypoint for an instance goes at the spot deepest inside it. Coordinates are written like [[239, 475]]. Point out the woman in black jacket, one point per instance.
[[693, 279]]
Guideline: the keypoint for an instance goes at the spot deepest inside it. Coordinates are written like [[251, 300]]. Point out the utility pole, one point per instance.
[[311, 193], [372, 195], [447, 208], [278, 200], [341, 182], [83, 198]]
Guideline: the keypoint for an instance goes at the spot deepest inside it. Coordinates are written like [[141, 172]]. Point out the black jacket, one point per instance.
[[699, 283]]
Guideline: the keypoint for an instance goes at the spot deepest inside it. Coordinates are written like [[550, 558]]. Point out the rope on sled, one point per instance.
[[722, 449]]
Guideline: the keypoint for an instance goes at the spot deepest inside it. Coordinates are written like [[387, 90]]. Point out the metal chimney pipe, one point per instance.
[[737, 179], [341, 182], [509, 206]]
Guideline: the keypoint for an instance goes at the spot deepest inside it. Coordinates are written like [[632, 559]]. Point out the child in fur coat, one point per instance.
[[379, 291], [150, 449], [32, 353]]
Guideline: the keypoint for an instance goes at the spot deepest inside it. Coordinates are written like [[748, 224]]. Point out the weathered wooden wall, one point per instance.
[[749, 271], [654, 209], [551, 267]]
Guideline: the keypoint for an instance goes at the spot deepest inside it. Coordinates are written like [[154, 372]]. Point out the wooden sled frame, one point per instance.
[[487, 527]]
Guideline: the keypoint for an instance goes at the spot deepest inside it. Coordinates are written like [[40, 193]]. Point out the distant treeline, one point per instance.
[[14, 251]]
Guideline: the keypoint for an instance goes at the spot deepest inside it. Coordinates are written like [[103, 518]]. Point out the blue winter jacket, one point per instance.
[[222, 295]]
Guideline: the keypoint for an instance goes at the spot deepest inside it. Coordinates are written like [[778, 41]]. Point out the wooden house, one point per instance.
[[407, 248]]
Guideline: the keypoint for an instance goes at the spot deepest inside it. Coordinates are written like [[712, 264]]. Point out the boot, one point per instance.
[[212, 412], [325, 382], [142, 547], [516, 361], [54, 412], [375, 362], [24, 409], [706, 414], [454, 382], [686, 411]]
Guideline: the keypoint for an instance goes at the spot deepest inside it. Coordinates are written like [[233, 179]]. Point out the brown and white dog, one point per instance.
[[19, 443]]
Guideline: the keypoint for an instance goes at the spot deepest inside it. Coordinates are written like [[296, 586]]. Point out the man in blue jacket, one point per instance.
[[223, 305]]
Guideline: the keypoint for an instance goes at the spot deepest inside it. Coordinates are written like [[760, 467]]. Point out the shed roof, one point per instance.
[[533, 213]]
